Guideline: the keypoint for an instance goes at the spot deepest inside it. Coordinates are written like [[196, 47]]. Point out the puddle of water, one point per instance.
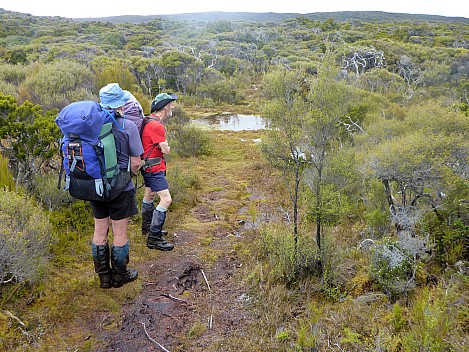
[[235, 122]]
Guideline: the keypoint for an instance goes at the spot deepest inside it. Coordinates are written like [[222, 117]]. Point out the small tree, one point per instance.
[[114, 71], [286, 112], [27, 138], [328, 103]]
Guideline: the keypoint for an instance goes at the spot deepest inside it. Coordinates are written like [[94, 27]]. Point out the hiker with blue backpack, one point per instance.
[[155, 148], [101, 150], [117, 211]]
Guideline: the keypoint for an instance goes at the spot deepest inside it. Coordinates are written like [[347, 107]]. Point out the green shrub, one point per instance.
[[391, 267], [25, 238], [180, 181], [44, 187], [57, 84], [188, 141], [397, 317], [219, 91], [452, 243], [434, 323], [6, 179], [74, 226], [286, 262]]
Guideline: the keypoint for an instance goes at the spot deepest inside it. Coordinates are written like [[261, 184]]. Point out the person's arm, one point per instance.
[[135, 163], [164, 146]]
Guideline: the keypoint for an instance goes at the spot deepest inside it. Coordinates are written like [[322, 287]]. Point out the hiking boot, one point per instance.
[[101, 264], [147, 215], [119, 279], [155, 238], [156, 241], [119, 260]]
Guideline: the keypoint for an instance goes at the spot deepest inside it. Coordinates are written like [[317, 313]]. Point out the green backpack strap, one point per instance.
[[108, 142]]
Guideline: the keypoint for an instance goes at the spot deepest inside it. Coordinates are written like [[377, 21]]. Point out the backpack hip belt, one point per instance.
[[151, 162]]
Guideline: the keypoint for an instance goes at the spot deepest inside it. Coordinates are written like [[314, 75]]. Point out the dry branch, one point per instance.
[[173, 298], [152, 340], [9, 314], [206, 281]]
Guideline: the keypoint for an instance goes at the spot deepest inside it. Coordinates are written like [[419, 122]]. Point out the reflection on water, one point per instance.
[[235, 122]]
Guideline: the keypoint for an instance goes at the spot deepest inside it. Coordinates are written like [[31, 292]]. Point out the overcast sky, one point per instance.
[[105, 8]]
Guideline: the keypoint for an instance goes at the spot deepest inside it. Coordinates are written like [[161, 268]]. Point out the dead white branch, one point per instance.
[[206, 281], [173, 298], [9, 314], [210, 321], [152, 340]]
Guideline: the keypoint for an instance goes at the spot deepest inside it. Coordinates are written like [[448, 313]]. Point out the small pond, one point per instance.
[[231, 122]]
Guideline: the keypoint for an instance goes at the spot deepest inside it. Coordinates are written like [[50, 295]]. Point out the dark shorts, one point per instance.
[[156, 181], [124, 206]]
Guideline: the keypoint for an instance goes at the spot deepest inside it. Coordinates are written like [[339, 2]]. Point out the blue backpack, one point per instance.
[[89, 152]]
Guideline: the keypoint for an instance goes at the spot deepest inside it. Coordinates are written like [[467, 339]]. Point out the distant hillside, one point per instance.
[[341, 16], [199, 17]]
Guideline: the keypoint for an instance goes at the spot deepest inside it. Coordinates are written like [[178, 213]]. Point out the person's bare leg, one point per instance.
[[100, 252]]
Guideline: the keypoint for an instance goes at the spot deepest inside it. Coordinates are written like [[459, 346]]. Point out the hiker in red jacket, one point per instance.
[[155, 146]]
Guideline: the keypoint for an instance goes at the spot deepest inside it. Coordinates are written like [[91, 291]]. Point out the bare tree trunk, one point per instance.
[[392, 206], [295, 208], [319, 219]]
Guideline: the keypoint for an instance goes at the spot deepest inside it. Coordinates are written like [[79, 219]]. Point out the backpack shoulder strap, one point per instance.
[[146, 120]]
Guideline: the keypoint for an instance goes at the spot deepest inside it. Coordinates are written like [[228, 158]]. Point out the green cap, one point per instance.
[[161, 100]]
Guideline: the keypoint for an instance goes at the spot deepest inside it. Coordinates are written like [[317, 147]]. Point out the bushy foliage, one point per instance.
[[189, 141], [44, 188], [57, 84], [286, 261], [220, 91], [27, 137], [74, 226], [181, 180], [451, 240], [185, 140], [6, 179], [25, 238], [11, 78], [114, 71], [391, 267], [438, 319]]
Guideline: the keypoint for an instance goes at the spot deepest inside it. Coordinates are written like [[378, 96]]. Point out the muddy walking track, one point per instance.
[[185, 307], [194, 297]]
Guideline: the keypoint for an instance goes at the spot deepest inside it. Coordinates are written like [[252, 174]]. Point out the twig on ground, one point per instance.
[[102, 321], [206, 281], [210, 321], [173, 298], [8, 313], [152, 340], [151, 283]]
